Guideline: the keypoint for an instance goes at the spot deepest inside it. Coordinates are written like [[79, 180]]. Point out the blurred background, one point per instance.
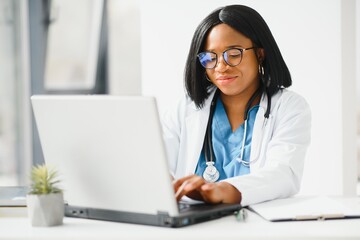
[[139, 47]]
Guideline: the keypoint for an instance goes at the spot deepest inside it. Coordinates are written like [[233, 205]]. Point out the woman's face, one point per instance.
[[241, 80]]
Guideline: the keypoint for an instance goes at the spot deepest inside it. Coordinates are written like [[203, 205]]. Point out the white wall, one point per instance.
[[315, 38], [124, 47], [348, 91], [358, 82], [358, 54]]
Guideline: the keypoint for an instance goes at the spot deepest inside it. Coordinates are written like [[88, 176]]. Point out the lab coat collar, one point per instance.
[[196, 124], [274, 99]]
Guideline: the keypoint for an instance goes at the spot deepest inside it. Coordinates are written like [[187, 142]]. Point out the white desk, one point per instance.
[[15, 225]]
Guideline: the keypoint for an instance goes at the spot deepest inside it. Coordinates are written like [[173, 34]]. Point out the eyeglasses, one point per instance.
[[231, 56]]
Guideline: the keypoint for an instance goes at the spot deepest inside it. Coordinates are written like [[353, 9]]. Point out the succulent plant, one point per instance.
[[44, 180]]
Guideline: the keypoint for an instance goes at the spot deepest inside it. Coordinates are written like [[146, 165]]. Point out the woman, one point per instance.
[[238, 136]]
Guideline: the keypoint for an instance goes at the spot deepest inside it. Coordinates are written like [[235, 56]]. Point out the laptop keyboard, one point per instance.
[[183, 207]]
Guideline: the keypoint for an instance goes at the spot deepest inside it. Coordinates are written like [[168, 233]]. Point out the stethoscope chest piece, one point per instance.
[[211, 174]]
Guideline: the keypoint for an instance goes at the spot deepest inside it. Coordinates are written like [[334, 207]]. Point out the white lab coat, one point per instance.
[[278, 147]]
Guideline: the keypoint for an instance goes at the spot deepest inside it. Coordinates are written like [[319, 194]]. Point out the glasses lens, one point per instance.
[[233, 56], [207, 59]]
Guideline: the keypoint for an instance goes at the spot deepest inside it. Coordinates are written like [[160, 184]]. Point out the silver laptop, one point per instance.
[[112, 162]]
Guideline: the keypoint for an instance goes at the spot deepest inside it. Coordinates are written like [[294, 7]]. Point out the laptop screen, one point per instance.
[[108, 150]]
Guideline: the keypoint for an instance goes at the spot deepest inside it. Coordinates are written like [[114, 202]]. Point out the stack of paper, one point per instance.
[[307, 208]]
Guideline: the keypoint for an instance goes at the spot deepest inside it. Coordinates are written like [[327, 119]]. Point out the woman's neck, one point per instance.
[[235, 107]]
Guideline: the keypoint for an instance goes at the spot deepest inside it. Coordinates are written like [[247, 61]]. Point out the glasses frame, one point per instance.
[[242, 50]]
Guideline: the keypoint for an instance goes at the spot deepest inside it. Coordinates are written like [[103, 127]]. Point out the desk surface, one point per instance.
[[15, 225]]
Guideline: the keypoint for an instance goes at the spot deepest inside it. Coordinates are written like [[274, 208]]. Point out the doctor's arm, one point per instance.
[[281, 166]]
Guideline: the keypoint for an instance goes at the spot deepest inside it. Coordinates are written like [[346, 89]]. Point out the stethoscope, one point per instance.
[[211, 174]]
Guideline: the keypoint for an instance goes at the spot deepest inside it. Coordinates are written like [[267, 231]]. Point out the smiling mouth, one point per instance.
[[225, 79]]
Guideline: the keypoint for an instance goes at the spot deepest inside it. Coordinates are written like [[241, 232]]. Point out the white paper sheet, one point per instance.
[[307, 208]]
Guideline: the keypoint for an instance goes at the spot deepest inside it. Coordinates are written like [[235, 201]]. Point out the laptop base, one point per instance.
[[162, 219]]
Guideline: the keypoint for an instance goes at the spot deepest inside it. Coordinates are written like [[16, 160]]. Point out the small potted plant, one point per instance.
[[45, 201]]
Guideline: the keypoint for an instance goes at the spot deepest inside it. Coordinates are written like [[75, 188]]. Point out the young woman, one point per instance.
[[238, 136]]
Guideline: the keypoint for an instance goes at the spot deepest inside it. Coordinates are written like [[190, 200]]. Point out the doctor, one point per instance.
[[238, 136]]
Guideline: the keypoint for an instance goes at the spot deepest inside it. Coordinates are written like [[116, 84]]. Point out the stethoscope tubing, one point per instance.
[[208, 146]]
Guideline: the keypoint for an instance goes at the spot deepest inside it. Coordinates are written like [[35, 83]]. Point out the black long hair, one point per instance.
[[248, 22]]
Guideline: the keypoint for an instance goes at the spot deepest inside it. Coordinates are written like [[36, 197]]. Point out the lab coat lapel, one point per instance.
[[256, 137], [195, 129], [262, 129], [196, 124]]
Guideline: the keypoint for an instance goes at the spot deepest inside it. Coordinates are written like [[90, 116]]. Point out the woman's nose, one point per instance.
[[221, 65]]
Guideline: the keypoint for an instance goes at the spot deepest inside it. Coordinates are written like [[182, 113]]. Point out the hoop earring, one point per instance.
[[261, 71], [266, 82]]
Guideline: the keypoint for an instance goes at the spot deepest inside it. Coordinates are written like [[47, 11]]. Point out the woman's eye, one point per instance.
[[234, 55]]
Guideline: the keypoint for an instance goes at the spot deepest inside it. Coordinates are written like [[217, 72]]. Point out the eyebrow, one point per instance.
[[227, 47]]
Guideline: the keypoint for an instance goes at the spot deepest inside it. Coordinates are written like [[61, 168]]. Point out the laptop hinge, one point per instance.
[[165, 219]]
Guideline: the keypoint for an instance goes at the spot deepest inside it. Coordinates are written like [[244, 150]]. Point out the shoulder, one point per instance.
[[184, 106], [291, 108], [175, 115], [287, 99]]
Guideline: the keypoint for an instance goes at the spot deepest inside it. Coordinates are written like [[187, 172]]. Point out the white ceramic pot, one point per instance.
[[45, 209]]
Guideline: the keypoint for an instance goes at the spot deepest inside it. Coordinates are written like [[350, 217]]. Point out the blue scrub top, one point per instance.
[[228, 145]]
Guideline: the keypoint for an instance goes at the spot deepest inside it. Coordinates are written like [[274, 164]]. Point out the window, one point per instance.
[[77, 66], [73, 44], [14, 95]]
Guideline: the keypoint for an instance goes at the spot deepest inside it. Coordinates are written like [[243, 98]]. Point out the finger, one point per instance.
[[220, 192], [208, 187], [191, 184], [194, 183], [211, 193], [191, 188], [178, 182], [179, 193]]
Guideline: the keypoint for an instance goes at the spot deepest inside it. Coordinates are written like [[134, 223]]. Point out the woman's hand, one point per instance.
[[197, 188]]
